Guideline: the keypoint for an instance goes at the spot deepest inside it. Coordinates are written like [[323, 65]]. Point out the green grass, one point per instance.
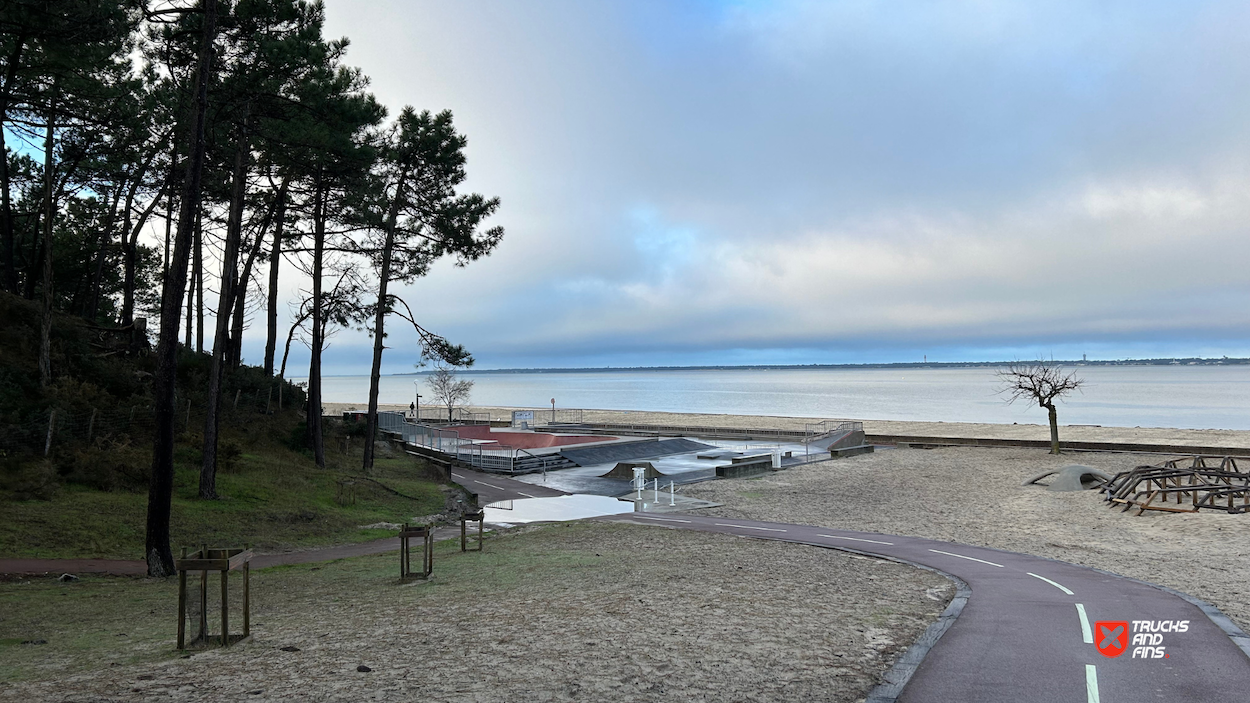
[[273, 498]]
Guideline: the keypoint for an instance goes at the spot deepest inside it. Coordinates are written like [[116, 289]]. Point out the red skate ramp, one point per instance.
[[522, 440]]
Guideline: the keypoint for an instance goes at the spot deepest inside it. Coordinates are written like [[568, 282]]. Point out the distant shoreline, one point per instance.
[[1179, 361]]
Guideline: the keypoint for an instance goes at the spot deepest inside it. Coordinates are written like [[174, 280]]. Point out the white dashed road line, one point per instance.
[[501, 488], [1087, 635], [665, 519], [856, 539], [1091, 683], [1056, 585], [749, 527], [526, 495], [960, 556]]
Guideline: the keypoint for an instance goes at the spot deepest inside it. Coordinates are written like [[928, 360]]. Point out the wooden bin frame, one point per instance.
[[205, 560], [479, 517], [406, 533]]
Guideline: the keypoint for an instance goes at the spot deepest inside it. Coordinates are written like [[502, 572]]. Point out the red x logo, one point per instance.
[[1111, 636]]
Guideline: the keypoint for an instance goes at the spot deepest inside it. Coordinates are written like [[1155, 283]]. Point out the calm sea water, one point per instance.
[[1195, 397]]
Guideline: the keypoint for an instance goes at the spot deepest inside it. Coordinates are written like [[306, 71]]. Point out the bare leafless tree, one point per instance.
[[446, 388], [1042, 383]]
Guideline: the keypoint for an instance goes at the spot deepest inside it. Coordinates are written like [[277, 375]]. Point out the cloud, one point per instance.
[[832, 180]]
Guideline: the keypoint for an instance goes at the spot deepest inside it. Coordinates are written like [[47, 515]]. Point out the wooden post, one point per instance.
[[203, 597], [188, 427], [247, 595], [91, 425], [463, 546], [225, 608], [182, 605], [47, 444], [429, 550], [269, 400], [280, 384], [403, 544], [237, 393]]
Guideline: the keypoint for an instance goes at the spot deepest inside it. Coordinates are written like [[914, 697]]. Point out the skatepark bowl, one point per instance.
[[559, 508]]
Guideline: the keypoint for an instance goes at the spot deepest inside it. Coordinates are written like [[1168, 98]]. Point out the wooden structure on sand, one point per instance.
[[204, 561], [426, 534], [1171, 487]]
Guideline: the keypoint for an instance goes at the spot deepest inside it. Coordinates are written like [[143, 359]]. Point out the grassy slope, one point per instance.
[[275, 499], [94, 502]]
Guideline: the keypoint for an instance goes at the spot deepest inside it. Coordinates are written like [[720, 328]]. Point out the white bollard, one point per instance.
[[671, 494], [640, 480], [657, 491]]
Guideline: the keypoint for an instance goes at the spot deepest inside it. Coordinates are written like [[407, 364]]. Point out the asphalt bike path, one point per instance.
[[1022, 628]]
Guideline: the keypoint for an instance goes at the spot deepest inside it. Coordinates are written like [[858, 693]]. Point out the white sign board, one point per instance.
[[522, 417]]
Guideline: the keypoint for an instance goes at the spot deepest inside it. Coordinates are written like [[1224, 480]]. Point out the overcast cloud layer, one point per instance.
[[799, 182]]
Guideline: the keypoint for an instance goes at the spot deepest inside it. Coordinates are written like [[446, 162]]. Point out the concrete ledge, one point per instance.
[[851, 451], [745, 469]]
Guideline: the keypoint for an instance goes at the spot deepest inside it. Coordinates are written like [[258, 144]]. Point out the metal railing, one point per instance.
[[459, 416], [814, 431], [505, 459], [559, 416]]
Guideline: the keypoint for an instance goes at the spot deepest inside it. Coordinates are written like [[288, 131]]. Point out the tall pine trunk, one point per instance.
[[199, 282], [102, 247], [131, 252], [314, 363], [275, 258], [49, 217], [157, 552], [375, 375], [240, 290], [221, 342]]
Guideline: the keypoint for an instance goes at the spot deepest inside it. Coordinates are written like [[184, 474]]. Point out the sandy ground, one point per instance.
[[1088, 433], [974, 496], [610, 613]]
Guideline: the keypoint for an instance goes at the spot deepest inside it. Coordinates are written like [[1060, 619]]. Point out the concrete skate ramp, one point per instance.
[[625, 470], [629, 451], [838, 440]]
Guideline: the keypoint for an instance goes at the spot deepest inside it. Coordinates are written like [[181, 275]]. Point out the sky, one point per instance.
[[704, 182]]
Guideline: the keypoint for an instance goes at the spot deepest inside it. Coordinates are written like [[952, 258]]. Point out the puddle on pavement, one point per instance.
[[571, 507]]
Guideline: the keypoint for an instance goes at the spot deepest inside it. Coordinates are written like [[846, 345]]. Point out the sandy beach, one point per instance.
[[975, 496], [1088, 433]]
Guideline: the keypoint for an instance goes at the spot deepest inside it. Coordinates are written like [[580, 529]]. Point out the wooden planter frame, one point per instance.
[[479, 517], [205, 560], [426, 534]]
